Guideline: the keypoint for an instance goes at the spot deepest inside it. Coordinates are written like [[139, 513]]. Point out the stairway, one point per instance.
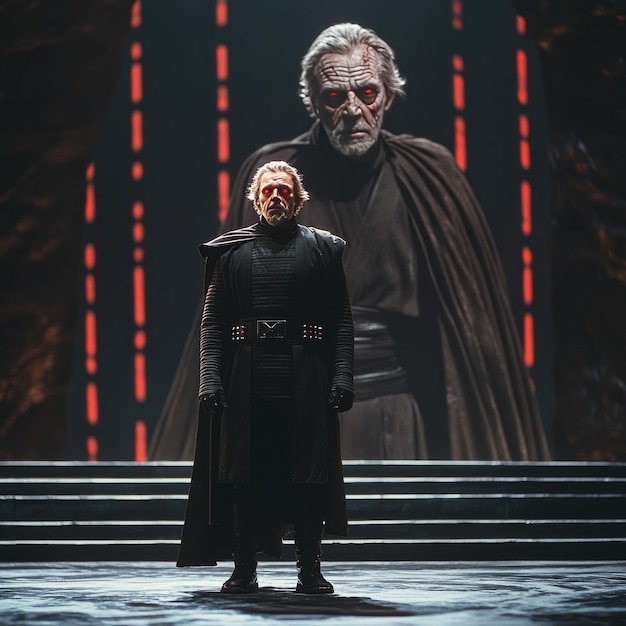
[[398, 510]]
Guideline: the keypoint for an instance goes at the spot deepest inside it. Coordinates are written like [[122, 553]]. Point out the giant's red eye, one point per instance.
[[367, 95], [266, 191], [285, 191]]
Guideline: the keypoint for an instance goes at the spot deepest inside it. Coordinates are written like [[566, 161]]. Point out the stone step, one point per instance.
[[435, 529], [336, 550], [354, 485], [419, 469], [373, 506]]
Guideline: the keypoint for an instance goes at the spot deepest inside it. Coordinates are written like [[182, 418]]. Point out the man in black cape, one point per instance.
[[439, 371], [276, 365]]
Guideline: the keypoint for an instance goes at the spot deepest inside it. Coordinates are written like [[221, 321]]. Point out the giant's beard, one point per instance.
[[355, 148]]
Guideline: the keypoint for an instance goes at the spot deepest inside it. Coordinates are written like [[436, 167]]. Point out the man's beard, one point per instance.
[[275, 219]]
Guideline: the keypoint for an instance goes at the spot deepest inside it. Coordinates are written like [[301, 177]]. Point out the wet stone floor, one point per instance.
[[367, 594]]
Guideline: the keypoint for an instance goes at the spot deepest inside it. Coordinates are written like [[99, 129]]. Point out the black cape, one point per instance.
[[222, 455], [425, 216]]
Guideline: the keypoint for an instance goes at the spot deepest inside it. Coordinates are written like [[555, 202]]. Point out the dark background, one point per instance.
[[266, 42]]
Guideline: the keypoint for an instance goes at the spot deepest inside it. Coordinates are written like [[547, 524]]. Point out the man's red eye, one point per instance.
[[333, 94], [265, 191], [369, 91], [285, 191]]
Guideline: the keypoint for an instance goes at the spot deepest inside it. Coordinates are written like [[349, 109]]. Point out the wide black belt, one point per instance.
[[276, 329], [377, 370]]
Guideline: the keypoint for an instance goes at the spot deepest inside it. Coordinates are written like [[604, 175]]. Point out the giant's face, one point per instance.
[[350, 99], [276, 198]]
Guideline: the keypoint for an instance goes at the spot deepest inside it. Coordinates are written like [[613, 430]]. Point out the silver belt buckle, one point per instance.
[[271, 329]]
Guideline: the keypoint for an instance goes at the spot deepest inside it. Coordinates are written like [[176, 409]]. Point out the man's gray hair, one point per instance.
[[301, 195], [342, 39]]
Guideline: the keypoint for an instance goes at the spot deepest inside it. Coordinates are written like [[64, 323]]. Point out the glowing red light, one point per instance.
[[223, 141], [138, 232], [90, 333], [459, 142], [136, 87], [457, 63], [222, 98], [139, 296], [140, 340], [91, 365], [223, 194], [221, 13], [141, 447], [92, 404], [92, 449], [90, 204], [138, 210], [522, 77], [90, 289], [140, 377], [520, 24], [524, 154], [525, 193], [458, 91], [137, 170], [138, 255], [529, 340], [135, 18], [457, 14], [90, 256], [136, 131], [135, 51], [221, 55]]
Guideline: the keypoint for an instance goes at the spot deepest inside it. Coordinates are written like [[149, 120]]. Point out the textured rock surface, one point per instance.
[[582, 48], [59, 63]]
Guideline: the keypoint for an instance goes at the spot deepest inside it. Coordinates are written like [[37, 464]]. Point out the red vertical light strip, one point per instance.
[[141, 447], [91, 338], [221, 13], [222, 104], [457, 14], [528, 326], [223, 192], [525, 200], [138, 230], [458, 93]]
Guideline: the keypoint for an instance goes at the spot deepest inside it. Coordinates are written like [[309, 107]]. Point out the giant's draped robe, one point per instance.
[[421, 265]]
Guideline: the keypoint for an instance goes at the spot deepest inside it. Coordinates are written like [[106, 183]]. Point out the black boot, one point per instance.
[[308, 552], [243, 579]]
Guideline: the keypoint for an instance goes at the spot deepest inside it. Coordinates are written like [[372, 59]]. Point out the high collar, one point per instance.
[[282, 232]]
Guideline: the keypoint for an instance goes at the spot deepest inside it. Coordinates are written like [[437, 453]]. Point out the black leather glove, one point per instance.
[[214, 403], [340, 399]]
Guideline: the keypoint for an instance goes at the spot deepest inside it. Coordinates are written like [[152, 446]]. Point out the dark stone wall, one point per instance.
[[59, 66], [582, 47]]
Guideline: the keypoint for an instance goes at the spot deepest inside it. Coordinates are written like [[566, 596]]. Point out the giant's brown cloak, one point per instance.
[[427, 216]]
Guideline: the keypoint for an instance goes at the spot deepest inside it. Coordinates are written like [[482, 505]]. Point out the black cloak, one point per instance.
[[222, 455]]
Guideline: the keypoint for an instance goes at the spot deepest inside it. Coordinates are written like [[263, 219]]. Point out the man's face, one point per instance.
[[351, 100], [275, 199]]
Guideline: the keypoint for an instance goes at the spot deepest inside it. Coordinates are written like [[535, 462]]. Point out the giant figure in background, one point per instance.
[[438, 365]]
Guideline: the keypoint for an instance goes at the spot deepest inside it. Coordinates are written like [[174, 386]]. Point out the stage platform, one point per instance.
[[367, 594], [398, 511]]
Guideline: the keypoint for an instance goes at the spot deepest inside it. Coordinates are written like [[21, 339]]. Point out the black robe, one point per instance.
[[223, 446], [420, 252]]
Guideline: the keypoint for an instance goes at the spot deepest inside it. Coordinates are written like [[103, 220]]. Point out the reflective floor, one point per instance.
[[368, 594]]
